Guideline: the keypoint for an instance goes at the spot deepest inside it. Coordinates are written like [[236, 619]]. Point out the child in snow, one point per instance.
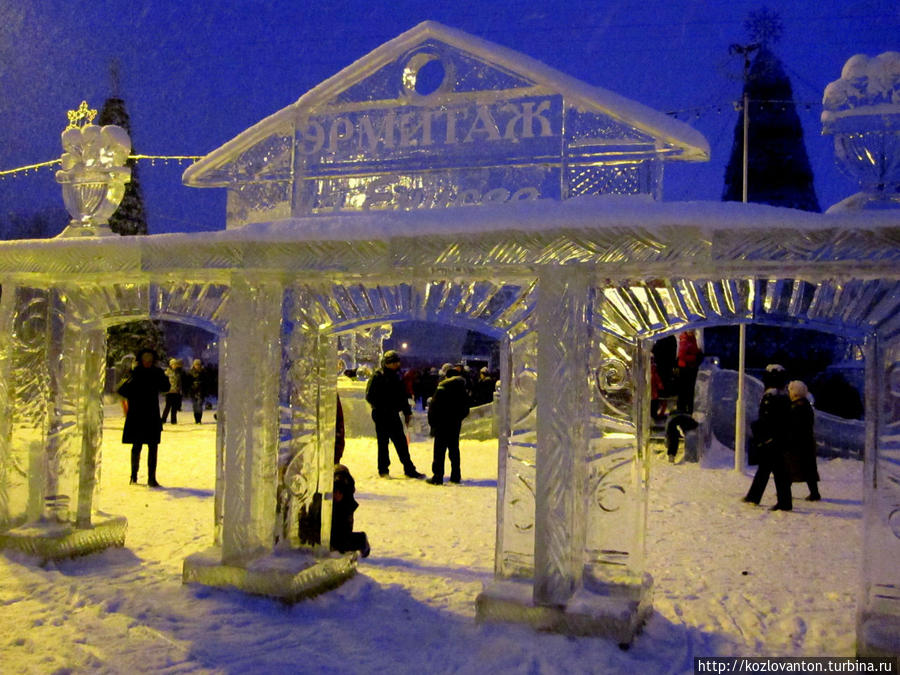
[[343, 538]]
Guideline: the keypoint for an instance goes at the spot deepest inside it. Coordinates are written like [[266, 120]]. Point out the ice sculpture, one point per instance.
[[495, 194], [93, 173], [862, 112], [437, 119]]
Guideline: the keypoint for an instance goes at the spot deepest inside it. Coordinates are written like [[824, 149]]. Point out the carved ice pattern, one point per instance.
[[881, 511], [614, 497]]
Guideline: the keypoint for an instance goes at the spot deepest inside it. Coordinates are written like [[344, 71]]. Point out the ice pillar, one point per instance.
[[309, 400], [878, 623], [7, 314], [516, 465], [563, 324], [617, 466], [90, 420], [248, 418], [60, 413], [75, 362]]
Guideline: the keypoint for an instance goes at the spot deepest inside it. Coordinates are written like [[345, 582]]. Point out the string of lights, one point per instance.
[[736, 105], [685, 114], [34, 168]]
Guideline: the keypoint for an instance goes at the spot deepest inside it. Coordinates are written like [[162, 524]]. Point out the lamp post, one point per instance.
[[740, 442]]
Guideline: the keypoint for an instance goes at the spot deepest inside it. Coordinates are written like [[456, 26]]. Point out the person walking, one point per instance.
[[770, 437], [801, 440], [448, 408], [386, 394], [198, 389], [175, 373], [141, 390]]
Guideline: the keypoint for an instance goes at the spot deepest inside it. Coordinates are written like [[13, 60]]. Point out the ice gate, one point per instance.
[[444, 178]]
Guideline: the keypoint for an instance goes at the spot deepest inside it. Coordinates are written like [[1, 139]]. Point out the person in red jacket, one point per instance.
[[689, 358]]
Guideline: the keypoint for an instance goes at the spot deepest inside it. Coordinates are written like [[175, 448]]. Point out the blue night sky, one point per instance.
[[194, 75]]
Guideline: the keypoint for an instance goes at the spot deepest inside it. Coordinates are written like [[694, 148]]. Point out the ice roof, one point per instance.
[[591, 213], [685, 142], [669, 232]]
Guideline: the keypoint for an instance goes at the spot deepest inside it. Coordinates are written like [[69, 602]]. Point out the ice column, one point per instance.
[[617, 468], [517, 446], [29, 399], [248, 418], [71, 350], [7, 314], [90, 420], [306, 459], [878, 623], [562, 417]]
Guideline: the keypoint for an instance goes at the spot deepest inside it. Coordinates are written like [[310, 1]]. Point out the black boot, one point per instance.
[[151, 465]]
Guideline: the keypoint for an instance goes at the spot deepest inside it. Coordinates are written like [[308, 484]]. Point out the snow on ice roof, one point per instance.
[[338, 241], [687, 143]]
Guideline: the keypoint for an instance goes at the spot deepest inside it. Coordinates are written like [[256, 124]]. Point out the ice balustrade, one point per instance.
[[576, 527]]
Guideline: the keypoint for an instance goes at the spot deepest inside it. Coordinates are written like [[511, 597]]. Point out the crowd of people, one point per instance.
[[447, 396], [782, 436]]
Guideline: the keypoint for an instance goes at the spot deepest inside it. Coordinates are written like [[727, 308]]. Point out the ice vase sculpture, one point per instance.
[[862, 112], [93, 173]]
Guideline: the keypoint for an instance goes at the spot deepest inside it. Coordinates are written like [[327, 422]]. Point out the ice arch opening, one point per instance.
[[55, 372], [707, 550], [314, 318], [865, 310]]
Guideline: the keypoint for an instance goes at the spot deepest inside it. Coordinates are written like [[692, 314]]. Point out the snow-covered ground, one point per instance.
[[730, 579]]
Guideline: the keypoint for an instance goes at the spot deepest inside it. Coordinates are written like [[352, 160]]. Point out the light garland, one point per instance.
[[687, 113], [152, 158]]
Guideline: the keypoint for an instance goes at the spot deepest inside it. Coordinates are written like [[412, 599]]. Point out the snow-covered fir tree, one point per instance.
[[129, 218], [778, 171]]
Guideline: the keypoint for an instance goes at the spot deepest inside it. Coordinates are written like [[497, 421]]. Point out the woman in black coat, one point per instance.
[[802, 440], [141, 389]]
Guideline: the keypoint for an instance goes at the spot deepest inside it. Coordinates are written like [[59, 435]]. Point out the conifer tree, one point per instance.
[[129, 218], [778, 171]]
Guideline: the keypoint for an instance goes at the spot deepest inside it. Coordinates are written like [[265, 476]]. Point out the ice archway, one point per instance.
[[572, 302], [510, 198]]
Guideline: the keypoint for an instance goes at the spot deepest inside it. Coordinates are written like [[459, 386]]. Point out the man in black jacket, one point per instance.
[[448, 408], [770, 435], [386, 393]]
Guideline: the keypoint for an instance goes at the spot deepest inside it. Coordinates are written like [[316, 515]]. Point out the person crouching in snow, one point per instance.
[[343, 505], [448, 408]]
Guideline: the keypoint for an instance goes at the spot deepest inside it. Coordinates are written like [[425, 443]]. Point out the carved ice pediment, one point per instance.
[[436, 118]]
